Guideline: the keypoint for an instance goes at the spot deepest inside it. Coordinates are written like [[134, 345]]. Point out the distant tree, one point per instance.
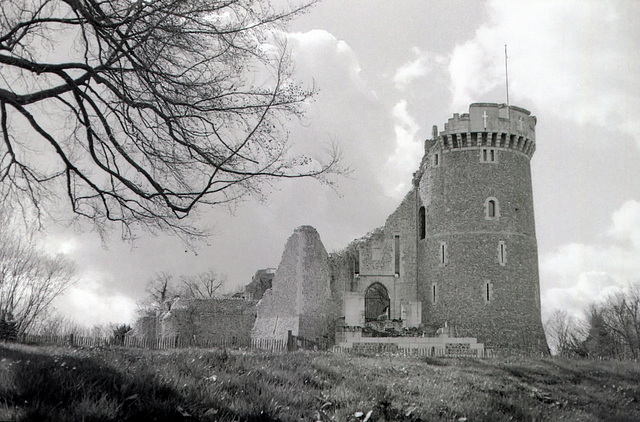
[[564, 333], [620, 314], [58, 325], [161, 291], [30, 279], [140, 110], [119, 332], [203, 285], [601, 341]]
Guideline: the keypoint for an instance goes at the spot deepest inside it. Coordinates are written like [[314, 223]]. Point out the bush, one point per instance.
[[8, 330]]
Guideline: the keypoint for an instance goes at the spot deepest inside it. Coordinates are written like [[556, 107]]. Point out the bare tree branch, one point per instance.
[[152, 107], [202, 286]]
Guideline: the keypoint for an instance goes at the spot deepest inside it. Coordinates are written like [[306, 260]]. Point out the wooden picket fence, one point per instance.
[[69, 340], [274, 345], [269, 344], [181, 343]]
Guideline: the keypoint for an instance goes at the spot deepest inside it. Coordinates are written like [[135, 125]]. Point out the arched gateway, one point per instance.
[[376, 302]]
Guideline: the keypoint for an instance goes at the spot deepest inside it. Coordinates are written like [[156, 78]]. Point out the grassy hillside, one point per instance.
[[46, 383]]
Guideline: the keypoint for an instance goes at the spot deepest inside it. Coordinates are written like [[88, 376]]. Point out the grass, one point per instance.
[[65, 384]]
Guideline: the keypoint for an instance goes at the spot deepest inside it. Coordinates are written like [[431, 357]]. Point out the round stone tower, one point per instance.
[[477, 249]]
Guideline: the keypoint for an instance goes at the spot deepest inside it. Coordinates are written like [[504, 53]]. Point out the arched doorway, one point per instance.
[[376, 303]]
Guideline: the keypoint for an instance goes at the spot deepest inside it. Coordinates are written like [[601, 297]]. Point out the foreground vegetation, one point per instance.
[[53, 383]]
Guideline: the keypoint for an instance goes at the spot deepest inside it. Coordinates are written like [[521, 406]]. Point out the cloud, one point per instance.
[[318, 54], [407, 153], [573, 58], [576, 275], [94, 305], [417, 68], [626, 223]]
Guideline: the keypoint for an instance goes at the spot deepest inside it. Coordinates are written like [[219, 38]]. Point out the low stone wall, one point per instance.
[[200, 320], [353, 341]]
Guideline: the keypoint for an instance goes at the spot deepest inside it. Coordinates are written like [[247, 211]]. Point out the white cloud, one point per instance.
[[407, 153], [315, 51], [626, 223], [89, 304], [573, 58], [576, 275], [417, 68]]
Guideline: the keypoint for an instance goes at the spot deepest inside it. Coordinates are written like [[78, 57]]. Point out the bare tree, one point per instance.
[[161, 290], [58, 325], [564, 333], [30, 279], [621, 318], [202, 286], [146, 108]]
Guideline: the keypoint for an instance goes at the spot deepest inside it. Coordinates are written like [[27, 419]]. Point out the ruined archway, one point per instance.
[[376, 302]]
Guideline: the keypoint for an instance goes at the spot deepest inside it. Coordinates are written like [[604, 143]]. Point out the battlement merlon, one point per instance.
[[492, 117]]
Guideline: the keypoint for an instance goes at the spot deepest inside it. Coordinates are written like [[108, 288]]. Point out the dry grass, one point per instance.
[[48, 383]]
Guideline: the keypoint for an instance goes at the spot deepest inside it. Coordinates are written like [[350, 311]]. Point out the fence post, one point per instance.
[[290, 341]]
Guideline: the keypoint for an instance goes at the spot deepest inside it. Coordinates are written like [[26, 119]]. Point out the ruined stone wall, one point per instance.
[[372, 260], [146, 327], [204, 319], [260, 283], [300, 297]]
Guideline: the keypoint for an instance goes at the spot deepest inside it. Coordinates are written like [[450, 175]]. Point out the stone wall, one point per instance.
[[371, 260], [200, 320], [146, 327], [260, 283], [300, 298]]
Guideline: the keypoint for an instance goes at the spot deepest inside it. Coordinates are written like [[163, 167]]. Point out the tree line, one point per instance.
[[163, 288], [610, 329]]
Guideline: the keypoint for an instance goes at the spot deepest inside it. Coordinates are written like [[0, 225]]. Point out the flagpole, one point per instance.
[[506, 72]]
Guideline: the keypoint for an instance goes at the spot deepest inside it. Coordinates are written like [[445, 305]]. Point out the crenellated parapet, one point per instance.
[[490, 125]]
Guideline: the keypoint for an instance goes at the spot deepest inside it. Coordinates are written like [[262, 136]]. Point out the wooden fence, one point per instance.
[[297, 343], [156, 344], [270, 344], [69, 340], [180, 343]]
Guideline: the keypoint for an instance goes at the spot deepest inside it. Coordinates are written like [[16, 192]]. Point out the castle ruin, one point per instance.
[[459, 252], [458, 257]]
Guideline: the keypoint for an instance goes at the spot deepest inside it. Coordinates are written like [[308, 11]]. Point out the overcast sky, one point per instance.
[[386, 72]]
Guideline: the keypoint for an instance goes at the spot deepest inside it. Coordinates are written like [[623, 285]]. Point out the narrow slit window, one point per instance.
[[443, 253], [502, 253], [434, 291], [488, 292], [488, 155], [422, 222], [397, 254], [436, 160]]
